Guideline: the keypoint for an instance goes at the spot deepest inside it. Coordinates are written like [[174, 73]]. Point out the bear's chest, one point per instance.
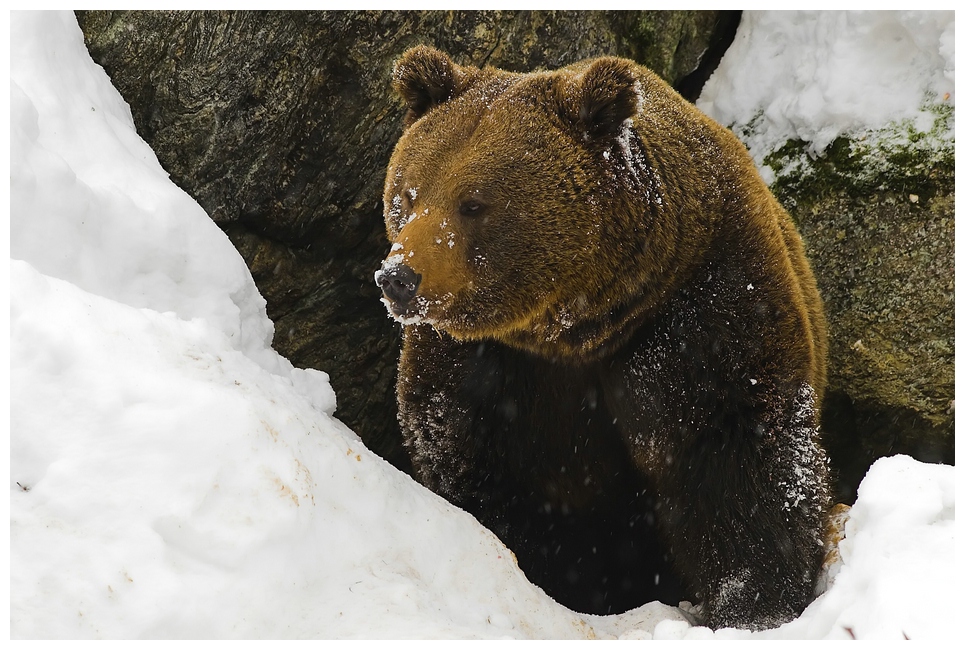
[[685, 372]]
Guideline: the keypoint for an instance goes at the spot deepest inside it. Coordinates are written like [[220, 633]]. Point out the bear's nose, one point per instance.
[[399, 283]]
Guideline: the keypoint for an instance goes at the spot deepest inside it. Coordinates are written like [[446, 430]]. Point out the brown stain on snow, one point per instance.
[[834, 533], [284, 490], [306, 478]]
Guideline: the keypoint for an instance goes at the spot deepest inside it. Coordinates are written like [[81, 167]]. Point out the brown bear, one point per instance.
[[614, 348]]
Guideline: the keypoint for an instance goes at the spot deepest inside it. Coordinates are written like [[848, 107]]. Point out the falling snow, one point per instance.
[[172, 476]]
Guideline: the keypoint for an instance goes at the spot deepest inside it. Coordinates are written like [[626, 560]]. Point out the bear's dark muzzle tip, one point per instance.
[[399, 283]]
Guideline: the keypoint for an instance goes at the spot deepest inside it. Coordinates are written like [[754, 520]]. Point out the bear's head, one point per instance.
[[514, 203]]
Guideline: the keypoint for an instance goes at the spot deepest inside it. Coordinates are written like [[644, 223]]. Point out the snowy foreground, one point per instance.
[[171, 476]]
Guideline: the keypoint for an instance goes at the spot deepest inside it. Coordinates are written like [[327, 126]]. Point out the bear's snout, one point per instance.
[[399, 283]]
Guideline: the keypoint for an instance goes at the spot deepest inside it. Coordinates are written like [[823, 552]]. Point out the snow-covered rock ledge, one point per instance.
[[171, 476]]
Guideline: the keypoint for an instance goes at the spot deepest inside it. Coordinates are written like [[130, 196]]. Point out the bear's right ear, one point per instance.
[[425, 77]]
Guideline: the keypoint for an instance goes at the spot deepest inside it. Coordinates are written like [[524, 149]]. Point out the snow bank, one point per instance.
[[815, 75], [167, 486], [889, 585], [171, 476], [111, 227]]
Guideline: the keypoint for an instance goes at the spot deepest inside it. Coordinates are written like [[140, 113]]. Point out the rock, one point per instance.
[[280, 125], [877, 216]]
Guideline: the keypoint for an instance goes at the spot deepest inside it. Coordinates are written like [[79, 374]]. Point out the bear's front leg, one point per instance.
[[758, 539], [527, 447], [742, 485], [457, 405]]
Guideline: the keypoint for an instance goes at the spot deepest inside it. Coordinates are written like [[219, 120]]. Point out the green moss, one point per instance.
[[898, 158], [876, 211]]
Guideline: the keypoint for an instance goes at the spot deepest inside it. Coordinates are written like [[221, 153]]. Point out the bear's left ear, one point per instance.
[[607, 94], [425, 77]]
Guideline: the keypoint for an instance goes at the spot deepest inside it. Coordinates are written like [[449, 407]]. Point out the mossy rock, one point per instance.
[[877, 215]]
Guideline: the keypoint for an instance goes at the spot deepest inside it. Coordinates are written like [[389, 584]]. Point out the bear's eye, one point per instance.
[[471, 208]]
